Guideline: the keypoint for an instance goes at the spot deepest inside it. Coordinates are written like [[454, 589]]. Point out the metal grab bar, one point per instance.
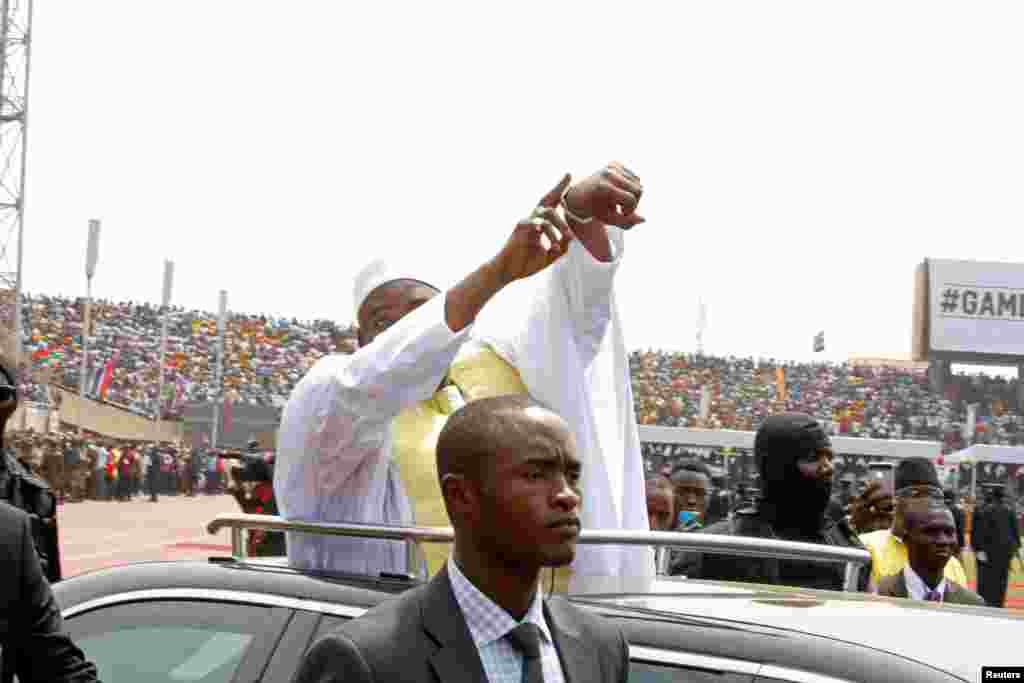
[[854, 559]]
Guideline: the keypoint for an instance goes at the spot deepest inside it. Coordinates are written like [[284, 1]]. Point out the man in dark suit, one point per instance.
[[996, 540], [930, 539], [33, 644], [510, 478], [26, 491]]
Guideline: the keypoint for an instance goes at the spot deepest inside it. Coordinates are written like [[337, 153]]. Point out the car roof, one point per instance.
[[906, 629], [249, 577], [915, 630]]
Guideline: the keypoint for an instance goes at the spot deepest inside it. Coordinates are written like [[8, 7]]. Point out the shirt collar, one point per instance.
[[488, 621], [917, 588]]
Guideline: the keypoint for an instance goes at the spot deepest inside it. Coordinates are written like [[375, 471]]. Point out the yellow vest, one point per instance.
[[479, 373], [476, 373], [889, 556]]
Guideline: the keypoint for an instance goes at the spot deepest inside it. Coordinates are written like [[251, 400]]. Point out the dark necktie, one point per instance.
[[933, 596], [526, 639]]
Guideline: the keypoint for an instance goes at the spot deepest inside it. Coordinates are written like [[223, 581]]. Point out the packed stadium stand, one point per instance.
[[265, 356]]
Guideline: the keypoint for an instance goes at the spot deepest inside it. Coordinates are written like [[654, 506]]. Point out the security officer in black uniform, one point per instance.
[[27, 491], [794, 457], [996, 541]]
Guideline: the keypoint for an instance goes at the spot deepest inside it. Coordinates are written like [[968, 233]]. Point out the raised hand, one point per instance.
[[538, 240], [611, 196]]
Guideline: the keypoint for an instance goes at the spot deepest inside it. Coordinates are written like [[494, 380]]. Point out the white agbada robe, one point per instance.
[[561, 331]]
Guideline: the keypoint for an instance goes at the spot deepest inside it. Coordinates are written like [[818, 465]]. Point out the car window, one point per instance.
[[175, 642], [645, 672]]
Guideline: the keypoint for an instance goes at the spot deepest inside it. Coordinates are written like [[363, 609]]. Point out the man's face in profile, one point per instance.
[[530, 496]]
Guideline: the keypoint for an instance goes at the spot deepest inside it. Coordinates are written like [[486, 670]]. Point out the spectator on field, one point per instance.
[[691, 480], [661, 503], [914, 478], [930, 540]]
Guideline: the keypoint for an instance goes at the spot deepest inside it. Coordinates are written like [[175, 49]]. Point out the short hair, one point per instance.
[[691, 465], [473, 433]]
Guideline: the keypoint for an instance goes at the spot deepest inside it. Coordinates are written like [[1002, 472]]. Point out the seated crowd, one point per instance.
[[851, 400], [266, 356]]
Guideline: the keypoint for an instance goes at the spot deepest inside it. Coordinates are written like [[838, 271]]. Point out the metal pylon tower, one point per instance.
[[15, 53]]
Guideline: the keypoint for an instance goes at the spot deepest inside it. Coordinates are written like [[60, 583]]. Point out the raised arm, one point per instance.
[[332, 422], [574, 298]]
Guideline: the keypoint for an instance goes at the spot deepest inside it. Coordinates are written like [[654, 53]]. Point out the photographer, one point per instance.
[[257, 470]]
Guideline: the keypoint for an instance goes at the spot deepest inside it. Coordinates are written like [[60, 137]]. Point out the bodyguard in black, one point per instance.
[[996, 540], [35, 648], [23, 489], [794, 457]]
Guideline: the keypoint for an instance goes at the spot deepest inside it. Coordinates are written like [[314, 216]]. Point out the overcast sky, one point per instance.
[[799, 158]]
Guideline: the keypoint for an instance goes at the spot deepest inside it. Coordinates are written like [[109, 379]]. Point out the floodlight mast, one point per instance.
[[15, 56]]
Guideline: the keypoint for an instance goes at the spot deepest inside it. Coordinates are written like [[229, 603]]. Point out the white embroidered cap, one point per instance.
[[376, 274]]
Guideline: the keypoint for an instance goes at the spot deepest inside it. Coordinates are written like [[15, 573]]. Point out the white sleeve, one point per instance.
[[337, 416], [569, 304]]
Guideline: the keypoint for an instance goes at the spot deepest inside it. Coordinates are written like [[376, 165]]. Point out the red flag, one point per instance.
[[108, 376]]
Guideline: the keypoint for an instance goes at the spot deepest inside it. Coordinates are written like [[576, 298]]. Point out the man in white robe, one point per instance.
[[347, 447]]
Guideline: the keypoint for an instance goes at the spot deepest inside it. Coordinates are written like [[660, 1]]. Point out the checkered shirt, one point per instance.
[[489, 624]]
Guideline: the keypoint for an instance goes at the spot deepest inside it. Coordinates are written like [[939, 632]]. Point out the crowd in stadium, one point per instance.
[[876, 402], [265, 356]]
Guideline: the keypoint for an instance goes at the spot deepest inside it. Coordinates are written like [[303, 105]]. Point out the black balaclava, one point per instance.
[[792, 503]]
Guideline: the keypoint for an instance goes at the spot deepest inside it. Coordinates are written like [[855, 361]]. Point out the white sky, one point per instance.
[[799, 158]]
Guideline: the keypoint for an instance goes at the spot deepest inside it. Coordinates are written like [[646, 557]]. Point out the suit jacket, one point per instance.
[[895, 586], [422, 637], [34, 645]]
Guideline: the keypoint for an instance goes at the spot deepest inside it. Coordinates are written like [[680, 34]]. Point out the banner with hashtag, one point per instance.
[[977, 307]]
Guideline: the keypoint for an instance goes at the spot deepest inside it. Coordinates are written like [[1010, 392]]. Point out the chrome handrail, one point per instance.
[[854, 559]]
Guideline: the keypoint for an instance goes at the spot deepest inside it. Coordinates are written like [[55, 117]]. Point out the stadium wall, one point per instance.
[[109, 420]]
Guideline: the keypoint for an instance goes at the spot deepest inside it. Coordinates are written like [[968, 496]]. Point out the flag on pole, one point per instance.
[[94, 387], [819, 342], [970, 423], [108, 377], [705, 402]]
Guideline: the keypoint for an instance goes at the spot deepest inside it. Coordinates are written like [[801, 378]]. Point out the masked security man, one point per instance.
[[794, 457]]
